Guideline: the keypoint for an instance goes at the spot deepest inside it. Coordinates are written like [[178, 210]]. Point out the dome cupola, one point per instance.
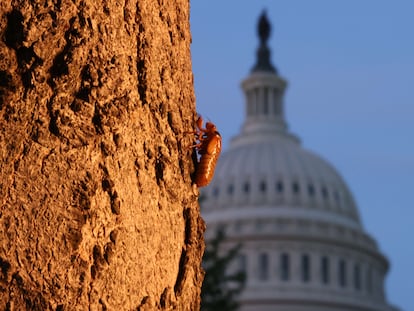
[[264, 90]]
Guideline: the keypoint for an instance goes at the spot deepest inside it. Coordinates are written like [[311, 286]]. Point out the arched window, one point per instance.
[[295, 188], [306, 274], [279, 187], [324, 193], [216, 192], [263, 266], [342, 273], [284, 267], [325, 270], [242, 263], [357, 277], [262, 186], [311, 190], [246, 187], [230, 189]]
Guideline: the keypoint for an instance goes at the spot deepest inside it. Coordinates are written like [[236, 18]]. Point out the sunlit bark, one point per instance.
[[97, 208]]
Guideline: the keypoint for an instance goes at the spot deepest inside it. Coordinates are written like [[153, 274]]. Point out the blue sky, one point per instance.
[[350, 68]]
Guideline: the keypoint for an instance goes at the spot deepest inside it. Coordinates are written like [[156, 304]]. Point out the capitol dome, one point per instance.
[[303, 244], [272, 169]]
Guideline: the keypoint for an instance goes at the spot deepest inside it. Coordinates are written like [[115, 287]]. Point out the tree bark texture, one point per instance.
[[97, 206]]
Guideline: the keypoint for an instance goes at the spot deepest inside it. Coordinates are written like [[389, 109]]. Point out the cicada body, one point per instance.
[[208, 148]]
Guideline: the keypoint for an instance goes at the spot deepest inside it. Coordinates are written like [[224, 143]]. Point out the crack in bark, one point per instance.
[[27, 59]]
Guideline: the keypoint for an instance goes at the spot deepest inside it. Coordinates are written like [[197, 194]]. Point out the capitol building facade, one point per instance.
[[303, 244]]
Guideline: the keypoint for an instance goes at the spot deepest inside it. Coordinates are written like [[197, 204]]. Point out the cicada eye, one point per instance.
[[210, 126]]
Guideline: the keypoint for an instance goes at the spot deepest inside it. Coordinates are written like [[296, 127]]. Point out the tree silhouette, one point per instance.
[[220, 288]]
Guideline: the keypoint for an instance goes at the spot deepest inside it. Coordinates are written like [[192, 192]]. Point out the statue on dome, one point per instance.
[[263, 62], [263, 28]]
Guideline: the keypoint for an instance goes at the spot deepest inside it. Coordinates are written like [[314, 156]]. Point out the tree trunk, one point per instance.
[[97, 211]]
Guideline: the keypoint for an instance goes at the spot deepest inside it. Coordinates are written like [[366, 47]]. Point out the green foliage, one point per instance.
[[220, 288]]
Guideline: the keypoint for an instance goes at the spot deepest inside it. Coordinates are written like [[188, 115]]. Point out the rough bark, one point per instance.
[[97, 206]]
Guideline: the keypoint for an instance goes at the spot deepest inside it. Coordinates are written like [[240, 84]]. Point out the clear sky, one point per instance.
[[350, 68]]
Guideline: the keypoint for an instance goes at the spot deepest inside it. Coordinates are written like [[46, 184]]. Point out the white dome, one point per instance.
[[272, 170]]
